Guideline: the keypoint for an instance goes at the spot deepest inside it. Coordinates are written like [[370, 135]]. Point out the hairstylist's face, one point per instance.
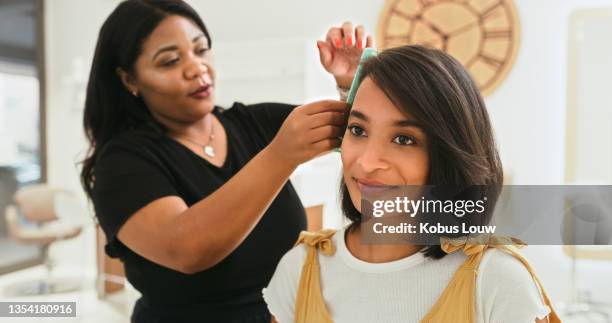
[[174, 74], [382, 145]]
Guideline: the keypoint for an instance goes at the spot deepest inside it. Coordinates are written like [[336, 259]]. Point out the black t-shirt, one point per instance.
[[135, 169]]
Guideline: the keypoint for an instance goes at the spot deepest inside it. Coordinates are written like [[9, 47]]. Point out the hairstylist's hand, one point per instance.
[[341, 50], [309, 131]]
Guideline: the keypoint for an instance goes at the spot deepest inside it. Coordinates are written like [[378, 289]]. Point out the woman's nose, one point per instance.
[[196, 69], [372, 158]]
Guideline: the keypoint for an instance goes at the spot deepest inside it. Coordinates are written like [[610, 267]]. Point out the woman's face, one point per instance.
[[174, 73], [382, 145]]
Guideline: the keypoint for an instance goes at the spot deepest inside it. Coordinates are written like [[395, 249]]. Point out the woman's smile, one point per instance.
[[372, 185]]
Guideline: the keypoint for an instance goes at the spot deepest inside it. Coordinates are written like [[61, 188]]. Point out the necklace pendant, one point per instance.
[[209, 151]]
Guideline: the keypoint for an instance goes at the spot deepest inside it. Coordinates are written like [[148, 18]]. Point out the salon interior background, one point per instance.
[[266, 51]]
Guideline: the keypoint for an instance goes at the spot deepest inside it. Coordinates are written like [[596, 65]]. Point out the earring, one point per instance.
[[134, 93]]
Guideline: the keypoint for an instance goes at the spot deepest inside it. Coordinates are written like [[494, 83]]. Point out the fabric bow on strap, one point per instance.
[[477, 244], [320, 240], [457, 303], [309, 304]]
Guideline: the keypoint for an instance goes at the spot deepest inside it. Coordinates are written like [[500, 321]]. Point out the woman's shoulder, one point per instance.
[[292, 261], [132, 148], [500, 270], [131, 137], [294, 258], [505, 284], [498, 263], [132, 141]]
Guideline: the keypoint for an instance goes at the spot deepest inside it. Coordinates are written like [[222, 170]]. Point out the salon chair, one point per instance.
[[42, 215]]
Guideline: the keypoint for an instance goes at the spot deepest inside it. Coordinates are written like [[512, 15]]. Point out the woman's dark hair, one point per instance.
[[109, 107], [437, 90]]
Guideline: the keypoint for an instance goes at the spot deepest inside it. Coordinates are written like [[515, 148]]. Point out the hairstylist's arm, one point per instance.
[[192, 239]]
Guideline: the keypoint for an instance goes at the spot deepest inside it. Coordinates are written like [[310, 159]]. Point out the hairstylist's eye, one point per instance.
[[356, 131], [404, 140]]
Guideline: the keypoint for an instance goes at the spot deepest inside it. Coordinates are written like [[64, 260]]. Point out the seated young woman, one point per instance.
[[418, 118]]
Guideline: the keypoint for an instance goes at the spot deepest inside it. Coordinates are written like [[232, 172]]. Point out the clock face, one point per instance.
[[482, 34]]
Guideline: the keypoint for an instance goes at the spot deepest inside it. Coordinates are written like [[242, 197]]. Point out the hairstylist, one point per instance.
[[193, 198]]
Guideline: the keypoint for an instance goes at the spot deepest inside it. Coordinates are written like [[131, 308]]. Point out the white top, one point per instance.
[[404, 290]]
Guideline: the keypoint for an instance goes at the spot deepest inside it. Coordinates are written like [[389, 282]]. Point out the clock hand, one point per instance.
[[434, 28], [462, 29]]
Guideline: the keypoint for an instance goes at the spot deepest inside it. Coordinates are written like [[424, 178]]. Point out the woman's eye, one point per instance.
[[202, 51], [356, 131], [404, 140], [170, 62]]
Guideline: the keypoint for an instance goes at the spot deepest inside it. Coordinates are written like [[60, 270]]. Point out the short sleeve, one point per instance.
[[273, 114], [506, 291], [127, 177], [267, 116], [281, 292]]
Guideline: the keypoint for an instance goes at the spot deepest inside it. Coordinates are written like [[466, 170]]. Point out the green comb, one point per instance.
[[367, 53]]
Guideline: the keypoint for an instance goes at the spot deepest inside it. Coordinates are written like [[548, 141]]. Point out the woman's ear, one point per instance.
[[127, 80]]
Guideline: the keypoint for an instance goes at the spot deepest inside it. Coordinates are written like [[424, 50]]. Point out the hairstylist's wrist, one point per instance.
[[344, 82], [343, 93]]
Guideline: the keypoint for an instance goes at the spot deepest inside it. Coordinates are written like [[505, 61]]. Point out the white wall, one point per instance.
[[70, 33], [589, 98], [276, 38], [71, 29]]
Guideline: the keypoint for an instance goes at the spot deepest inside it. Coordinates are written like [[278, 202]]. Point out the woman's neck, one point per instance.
[[377, 253], [199, 130]]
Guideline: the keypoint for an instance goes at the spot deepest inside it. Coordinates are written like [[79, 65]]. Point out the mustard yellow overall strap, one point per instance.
[[309, 303], [458, 303]]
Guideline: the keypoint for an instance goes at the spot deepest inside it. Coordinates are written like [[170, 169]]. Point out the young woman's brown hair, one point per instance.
[[439, 93]]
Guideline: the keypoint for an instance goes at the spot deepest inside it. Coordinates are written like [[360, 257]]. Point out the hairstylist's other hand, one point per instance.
[[309, 131], [341, 50]]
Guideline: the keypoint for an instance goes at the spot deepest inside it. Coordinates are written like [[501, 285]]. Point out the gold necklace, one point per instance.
[[207, 148]]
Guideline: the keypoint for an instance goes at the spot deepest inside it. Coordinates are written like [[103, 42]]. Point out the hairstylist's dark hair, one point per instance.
[[109, 107], [437, 90]]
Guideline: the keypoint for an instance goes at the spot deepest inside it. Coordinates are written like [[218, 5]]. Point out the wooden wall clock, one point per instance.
[[482, 34]]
